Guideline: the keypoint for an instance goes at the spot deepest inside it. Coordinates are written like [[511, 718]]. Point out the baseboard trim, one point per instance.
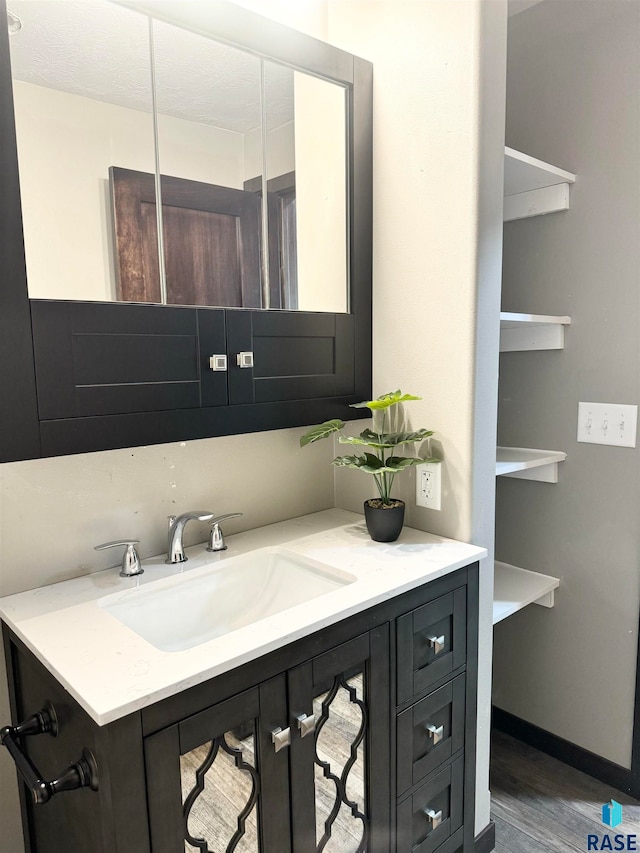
[[485, 840], [594, 765]]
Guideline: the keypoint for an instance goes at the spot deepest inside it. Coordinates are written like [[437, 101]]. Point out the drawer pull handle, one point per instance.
[[436, 643], [306, 724], [434, 818], [81, 774], [436, 733], [281, 738]]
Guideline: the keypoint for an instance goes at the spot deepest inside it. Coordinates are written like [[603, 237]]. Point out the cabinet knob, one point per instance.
[[218, 363], [436, 643], [306, 724], [434, 818], [436, 733], [281, 738], [244, 359]]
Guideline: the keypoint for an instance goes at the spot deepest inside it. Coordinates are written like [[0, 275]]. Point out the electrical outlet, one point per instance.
[[428, 485], [607, 423]]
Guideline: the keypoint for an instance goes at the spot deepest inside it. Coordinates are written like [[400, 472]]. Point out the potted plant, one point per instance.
[[384, 515]]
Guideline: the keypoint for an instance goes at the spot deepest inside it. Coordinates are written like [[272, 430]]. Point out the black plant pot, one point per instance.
[[384, 523]]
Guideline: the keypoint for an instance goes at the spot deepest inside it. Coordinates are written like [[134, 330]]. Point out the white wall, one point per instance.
[[425, 218], [439, 79]]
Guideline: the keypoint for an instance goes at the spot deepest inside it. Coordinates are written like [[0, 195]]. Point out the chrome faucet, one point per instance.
[[177, 524]]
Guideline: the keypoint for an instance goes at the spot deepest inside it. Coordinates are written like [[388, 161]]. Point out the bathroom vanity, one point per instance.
[[343, 722]]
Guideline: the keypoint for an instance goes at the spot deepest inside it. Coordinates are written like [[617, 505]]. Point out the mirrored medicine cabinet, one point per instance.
[[186, 221]]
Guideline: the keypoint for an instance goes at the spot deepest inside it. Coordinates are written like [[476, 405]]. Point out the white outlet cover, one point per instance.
[[428, 485], [608, 423]]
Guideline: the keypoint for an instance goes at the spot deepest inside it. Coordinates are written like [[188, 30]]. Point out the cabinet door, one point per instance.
[[96, 359], [339, 719], [296, 356], [215, 781]]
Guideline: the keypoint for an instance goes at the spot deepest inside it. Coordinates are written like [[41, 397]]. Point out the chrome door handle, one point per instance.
[[434, 818], [436, 643], [436, 733], [306, 724], [280, 738]]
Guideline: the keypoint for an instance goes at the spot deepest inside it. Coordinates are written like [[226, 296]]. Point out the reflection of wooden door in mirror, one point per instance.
[[283, 245], [211, 241]]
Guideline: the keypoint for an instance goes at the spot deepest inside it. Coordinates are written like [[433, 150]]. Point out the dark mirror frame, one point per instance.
[[30, 328]]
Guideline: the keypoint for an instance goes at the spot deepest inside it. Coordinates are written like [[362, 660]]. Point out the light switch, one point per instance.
[[607, 423]]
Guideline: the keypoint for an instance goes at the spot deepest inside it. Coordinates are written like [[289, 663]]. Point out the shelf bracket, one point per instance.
[[547, 600], [532, 337], [536, 202], [541, 473]]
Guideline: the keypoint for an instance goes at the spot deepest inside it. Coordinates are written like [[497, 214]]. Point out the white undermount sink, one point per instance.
[[189, 609]]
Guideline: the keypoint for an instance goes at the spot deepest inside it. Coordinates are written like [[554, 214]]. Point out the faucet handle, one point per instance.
[[130, 559], [216, 537]]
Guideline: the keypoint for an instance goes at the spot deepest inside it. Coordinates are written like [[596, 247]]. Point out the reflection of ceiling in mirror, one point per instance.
[[99, 50]]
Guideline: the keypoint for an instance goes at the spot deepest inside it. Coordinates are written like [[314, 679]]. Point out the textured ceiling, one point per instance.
[[99, 50]]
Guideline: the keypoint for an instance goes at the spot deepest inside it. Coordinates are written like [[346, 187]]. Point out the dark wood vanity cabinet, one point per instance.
[[113, 375], [294, 750], [360, 737]]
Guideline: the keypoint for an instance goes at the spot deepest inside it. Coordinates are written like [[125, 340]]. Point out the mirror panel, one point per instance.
[[220, 786], [83, 101], [321, 194], [208, 100], [342, 821], [280, 173], [228, 126], [306, 171]]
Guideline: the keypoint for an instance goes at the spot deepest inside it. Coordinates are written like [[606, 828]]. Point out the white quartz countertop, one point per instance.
[[112, 671]]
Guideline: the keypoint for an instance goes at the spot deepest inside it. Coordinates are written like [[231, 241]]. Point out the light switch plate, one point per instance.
[[607, 423]]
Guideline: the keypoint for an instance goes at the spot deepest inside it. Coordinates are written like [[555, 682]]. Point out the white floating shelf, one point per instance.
[[520, 332], [515, 588], [533, 187], [525, 463]]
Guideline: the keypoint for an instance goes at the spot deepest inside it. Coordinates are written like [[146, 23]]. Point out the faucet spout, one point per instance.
[[177, 524]]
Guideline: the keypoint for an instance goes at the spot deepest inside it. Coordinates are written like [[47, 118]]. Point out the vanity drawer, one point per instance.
[[429, 733], [433, 815], [431, 643]]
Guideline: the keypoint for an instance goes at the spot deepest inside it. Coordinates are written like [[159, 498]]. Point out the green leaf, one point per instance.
[[321, 431], [399, 463], [385, 401], [388, 439], [368, 463]]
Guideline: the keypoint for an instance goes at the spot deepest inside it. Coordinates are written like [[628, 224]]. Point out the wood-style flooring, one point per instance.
[[540, 805]]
